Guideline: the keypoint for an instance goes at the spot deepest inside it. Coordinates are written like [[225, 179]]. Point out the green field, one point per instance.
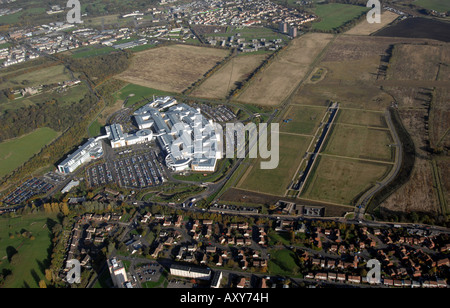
[[334, 15], [14, 18], [26, 257], [93, 51], [275, 182], [44, 76], [14, 153], [437, 5], [136, 93], [340, 181], [305, 120], [283, 262]]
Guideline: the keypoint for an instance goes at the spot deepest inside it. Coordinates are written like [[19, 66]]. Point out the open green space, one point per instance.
[[14, 153], [91, 51], [437, 5], [360, 142], [283, 262], [14, 18], [136, 93], [276, 181], [305, 120], [334, 15], [340, 180], [44, 76], [24, 248]]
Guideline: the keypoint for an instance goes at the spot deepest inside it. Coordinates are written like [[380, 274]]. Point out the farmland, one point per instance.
[[225, 79], [172, 68], [13, 153], [365, 28], [274, 84]]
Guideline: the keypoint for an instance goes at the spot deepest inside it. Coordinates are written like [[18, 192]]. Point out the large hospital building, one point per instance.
[[187, 138]]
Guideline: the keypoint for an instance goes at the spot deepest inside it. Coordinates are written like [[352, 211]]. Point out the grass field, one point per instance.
[[338, 180], [282, 262], [224, 80], [305, 120], [92, 51], [334, 15], [44, 76], [136, 93], [172, 68], [362, 117], [15, 18], [31, 257], [437, 5], [275, 182], [276, 82], [360, 142], [14, 153]]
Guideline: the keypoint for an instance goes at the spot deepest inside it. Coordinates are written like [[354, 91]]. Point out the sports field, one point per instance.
[[276, 82], [275, 182], [334, 15], [25, 256], [14, 153], [339, 180], [172, 68]]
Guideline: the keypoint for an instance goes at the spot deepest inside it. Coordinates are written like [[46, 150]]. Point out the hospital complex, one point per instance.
[[185, 136]]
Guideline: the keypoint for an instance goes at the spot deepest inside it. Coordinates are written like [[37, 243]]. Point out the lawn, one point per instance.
[[283, 262], [15, 152], [29, 254], [136, 93], [276, 181], [334, 15]]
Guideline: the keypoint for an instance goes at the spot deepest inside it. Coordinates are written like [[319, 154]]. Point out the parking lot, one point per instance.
[[148, 272], [134, 168], [27, 190]]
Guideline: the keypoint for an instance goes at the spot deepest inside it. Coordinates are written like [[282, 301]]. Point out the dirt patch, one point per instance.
[[225, 80], [365, 28], [172, 68]]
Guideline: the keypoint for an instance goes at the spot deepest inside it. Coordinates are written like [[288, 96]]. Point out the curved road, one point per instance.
[[365, 199]]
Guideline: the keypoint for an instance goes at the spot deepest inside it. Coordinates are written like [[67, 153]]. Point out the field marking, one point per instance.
[[359, 159], [295, 134], [364, 126]]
